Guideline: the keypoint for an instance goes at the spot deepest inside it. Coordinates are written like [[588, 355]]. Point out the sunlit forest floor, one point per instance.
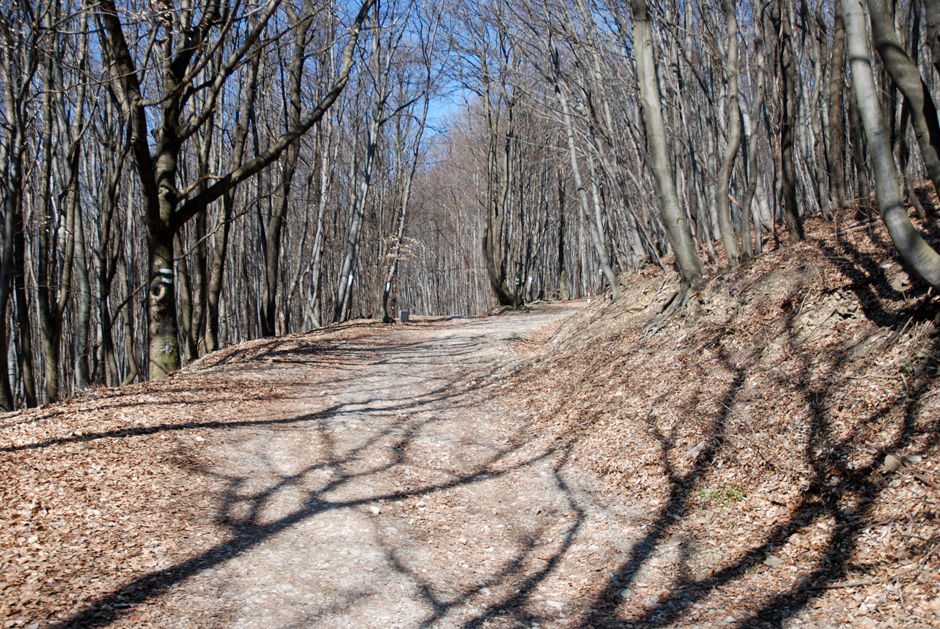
[[781, 432], [768, 456]]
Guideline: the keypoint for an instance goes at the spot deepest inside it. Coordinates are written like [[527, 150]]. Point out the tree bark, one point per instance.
[[594, 227], [913, 248], [780, 15], [836, 156], [906, 77], [858, 156], [932, 10], [301, 26], [167, 209], [677, 225], [734, 137]]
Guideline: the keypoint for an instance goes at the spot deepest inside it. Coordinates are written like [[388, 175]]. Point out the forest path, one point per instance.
[[405, 492]]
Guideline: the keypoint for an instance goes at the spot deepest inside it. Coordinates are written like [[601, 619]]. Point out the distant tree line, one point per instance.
[[182, 175]]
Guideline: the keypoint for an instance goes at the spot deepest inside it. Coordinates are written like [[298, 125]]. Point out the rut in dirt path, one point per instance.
[[401, 490]]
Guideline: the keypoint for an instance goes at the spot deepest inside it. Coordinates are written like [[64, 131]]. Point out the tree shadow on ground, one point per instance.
[[871, 286], [117, 399], [842, 494], [244, 510]]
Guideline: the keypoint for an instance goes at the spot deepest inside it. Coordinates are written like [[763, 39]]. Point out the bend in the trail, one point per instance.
[[403, 489]]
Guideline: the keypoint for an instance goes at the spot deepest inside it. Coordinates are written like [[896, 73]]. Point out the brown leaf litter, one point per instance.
[[750, 433]]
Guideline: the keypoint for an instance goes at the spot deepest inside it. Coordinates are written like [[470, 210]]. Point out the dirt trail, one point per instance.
[[403, 491]]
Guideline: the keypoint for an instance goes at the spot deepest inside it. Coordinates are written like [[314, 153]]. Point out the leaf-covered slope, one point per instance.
[[754, 426]]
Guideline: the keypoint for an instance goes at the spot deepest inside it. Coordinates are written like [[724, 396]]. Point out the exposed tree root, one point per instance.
[[679, 308]]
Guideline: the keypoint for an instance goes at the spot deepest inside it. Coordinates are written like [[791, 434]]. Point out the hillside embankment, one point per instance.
[[781, 432]]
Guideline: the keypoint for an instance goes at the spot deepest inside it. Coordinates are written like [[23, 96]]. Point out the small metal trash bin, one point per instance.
[[403, 316]]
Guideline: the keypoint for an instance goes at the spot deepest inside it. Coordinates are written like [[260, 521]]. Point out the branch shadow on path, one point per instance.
[[242, 510], [838, 493]]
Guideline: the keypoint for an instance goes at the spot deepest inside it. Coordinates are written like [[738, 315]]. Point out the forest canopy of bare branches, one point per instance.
[[182, 176]]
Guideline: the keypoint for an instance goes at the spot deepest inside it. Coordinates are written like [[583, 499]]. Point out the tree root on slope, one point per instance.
[[679, 308]]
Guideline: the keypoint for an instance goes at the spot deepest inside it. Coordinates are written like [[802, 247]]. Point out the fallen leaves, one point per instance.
[[107, 490], [786, 382]]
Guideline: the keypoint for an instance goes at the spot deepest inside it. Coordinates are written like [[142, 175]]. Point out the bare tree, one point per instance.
[[382, 55], [190, 40], [690, 265], [906, 76], [786, 64], [19, 63], [734, 135], [912, 247]]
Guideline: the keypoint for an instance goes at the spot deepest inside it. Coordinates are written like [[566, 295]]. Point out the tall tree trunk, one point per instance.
[[932, 10], [857, 138], [906, 77], [381, 72], [677, 225], [562, 267], [591, 219], [494, 234], [246, 114], [913, 248], [734, 136], [167, 209], [55, 264], [82, 304], [22, 314], [10, 209], [780, 15], [133, 366], [344, 287], [288, 168], [20, 59], [836, 157], [327, 170]]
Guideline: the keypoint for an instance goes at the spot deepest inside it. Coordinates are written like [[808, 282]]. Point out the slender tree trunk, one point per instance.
[[836, 156], [858, 156], [82, 304], [22, 314], [913, 248], [494, 234], [6, 285], [381, 71], [327, 171], [677, 226], [288, 168], [780, 15], [239, 141], [12, 150], [351, 255], [906, 77], [131, 349], [932, 10], [594, 229], [55, 264], [725, 224], [562, 267]]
